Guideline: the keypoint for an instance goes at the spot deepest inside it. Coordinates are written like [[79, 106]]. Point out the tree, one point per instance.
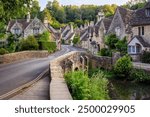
[[121, 46], [76, 40], [35, 9], [109, 10]]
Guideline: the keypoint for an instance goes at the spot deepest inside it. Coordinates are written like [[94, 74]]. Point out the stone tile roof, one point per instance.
[[139, 16], [23, 23], [141, 40], [70, 36], [126, 14]]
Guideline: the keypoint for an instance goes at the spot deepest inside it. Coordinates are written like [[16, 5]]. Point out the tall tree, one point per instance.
[[35, 8]]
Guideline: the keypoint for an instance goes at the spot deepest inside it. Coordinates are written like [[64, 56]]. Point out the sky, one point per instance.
[[80, 2]]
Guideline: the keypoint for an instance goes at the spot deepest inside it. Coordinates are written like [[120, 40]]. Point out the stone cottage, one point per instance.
[[68, 34], [92, 35], [26, 27], [120, 24], [140, 23]]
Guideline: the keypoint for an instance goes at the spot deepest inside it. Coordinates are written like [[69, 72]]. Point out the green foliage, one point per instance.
[[76, 40], [105, 52], [140, 75], [3, 51], [28, 44], [121, 46], [145, 57], [50, 46], [98, 87], [45, 37], [109, 10], [111, 40], [123, 67], [78, 84], [35, 9], [83, 88]]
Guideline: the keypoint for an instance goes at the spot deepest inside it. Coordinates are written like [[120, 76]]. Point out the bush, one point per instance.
[[45, 37], [123, 67], [29, 44], [3, 51], [76, 40], [78, 84], [139, 75], [98, 87], [105, 52], [84, 88], [121, 46], [111, 40], [50, 46], [145, 57]]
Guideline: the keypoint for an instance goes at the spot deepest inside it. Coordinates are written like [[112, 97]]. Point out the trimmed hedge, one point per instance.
[[3, 51], [145, 57], [50, 46]]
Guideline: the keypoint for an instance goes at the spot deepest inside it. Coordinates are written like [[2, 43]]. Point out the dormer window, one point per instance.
[[117, 30], [36, 31], [17, 31], [147, 11]]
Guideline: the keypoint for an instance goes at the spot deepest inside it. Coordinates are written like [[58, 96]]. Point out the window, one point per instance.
[[129, 49], [133, 49], [147, 12], [17, 31], [141, 30], [36, 31], [117, 30]]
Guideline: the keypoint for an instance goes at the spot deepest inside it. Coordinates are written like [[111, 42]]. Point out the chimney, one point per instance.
[[28, 17], [46, 22], [100, 16], [71, 28], [91, 23]]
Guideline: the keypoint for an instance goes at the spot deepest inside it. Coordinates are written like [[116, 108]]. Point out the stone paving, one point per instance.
[[38, 91]]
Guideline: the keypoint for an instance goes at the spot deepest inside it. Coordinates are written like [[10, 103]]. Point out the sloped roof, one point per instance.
[[126, 14], [23, 23], [141, 40], [70, 36], [139, 16]]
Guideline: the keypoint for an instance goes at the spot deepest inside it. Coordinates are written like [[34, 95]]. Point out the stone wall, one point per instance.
[[101, 62], [9, 58]]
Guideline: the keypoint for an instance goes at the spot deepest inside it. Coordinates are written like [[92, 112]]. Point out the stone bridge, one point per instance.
[[71, 62]]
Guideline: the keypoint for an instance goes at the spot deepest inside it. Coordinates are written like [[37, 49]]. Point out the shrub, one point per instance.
[[123, 67], [145, 57], [139, 75], [84, 88], [76, 40], [3, 51], [29, 44], [50, 46], [44, 37], [98, 87], [111, 40], [105, 52], [78, 84], [121, 46]]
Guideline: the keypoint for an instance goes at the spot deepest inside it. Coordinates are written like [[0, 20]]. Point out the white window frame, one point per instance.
[[17, 31], [36, 31], [132, 49], [118, 31]]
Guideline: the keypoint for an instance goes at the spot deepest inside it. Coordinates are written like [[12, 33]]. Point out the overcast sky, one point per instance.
[[80, 2]]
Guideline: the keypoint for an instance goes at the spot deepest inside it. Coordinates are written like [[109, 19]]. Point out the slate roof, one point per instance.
[[139, 16], [70, 35], [141, 40], [126, 14], [23, 23]]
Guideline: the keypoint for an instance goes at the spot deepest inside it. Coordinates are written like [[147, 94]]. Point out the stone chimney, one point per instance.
[[100, 16], [46, 21], [28, 17], [71, 28], [91, 23]]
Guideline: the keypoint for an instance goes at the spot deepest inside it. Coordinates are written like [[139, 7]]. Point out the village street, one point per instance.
[[19, 73]]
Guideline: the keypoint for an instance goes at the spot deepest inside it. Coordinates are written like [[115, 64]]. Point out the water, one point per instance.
[[126, 90]]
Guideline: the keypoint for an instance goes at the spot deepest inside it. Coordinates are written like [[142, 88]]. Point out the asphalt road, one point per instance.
[[19, 73]]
